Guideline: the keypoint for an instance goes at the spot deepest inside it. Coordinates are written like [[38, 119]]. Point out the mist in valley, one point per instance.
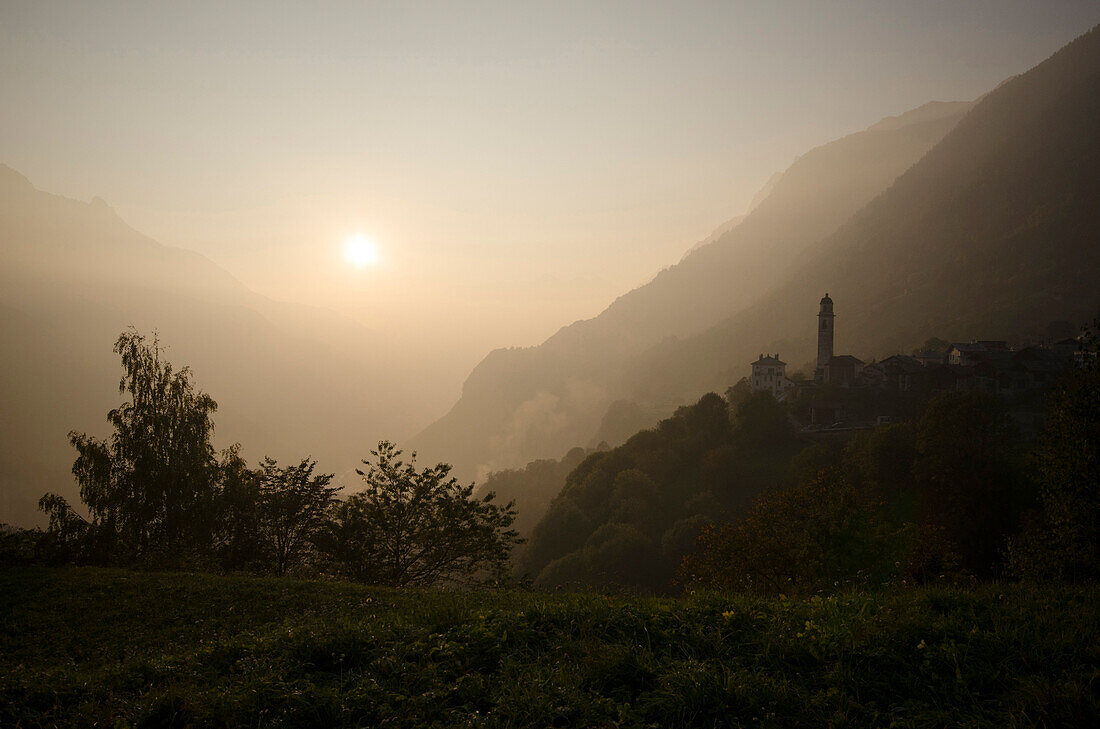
[[492, 235]]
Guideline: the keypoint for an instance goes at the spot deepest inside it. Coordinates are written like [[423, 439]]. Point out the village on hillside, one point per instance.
[[847, 393]]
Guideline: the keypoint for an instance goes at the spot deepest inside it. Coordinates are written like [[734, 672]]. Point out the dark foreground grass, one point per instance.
[[82, 647]]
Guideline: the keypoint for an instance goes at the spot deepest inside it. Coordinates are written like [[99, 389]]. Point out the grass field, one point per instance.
[[83, 646]]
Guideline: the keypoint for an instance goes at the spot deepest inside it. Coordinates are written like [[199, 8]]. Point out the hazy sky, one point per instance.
[[519, 165]]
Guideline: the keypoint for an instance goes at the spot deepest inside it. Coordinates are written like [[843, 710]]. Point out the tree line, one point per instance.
[[953, 496], [726, 495], [626, 517], [157, 495]]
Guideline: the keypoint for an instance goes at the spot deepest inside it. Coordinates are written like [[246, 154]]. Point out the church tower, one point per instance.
[[824, 336]]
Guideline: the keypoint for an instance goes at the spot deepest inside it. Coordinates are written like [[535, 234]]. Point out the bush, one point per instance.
[[411, 526], [1062, 539], [814, 536]]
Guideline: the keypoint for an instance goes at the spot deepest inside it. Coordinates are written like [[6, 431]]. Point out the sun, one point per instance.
[[360, 251]]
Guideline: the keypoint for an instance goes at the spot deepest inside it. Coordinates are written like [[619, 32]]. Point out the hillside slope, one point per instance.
[[992, 235], [522, 404]]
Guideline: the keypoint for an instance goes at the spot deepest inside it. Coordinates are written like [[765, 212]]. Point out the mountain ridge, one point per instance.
[[998, 230], [521, 404]]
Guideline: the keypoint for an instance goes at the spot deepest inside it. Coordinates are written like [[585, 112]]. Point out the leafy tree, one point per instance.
[[64, 522], [563, 529], [736, 394], [850, 520], [19, 546], [825, 455], [149, 487], [969, 478], [680, 539], [930, 556], [239, 542], [533, 487], [417, 527], [1062, 541], [293, 503], [883, 460], [761, 420], [615, 556], [706, 462], [802, 539], [69, 537], [412, 527], [633, 499]]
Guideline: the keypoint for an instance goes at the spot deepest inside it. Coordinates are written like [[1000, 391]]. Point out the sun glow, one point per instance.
[[360, 251]]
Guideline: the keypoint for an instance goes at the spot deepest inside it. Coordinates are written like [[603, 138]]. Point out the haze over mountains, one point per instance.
[[293, 380], [522, 404], [290, 380], [949, 221], [955, 219], [992, 235]]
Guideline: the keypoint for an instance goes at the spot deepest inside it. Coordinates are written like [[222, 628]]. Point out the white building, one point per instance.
[[769, 373]]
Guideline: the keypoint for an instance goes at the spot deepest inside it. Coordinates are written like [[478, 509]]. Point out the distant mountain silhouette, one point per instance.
[[992, 235], [523, 404], [290, 380]]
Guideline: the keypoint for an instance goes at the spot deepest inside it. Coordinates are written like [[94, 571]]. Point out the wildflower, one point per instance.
[[921, 646]]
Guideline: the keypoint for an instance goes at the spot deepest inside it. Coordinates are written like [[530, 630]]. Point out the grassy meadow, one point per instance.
[[88, 646]]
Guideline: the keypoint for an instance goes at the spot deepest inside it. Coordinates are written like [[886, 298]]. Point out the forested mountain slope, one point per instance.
[[992, 235], [522, 404]]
